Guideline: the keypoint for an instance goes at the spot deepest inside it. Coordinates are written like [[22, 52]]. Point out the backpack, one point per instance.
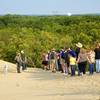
[[52, 55], [62, 54], [67, 56]]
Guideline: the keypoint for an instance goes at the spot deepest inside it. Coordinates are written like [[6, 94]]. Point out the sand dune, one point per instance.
[[11, 66], [37, 84]]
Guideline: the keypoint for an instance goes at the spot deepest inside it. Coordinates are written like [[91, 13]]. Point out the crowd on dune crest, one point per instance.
[[68, 60]]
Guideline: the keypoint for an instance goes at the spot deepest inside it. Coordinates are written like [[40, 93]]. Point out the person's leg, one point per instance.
[[18, 67], [84, 72], [66, 68], [44, 66], [53, 66], [23, 66], [58, 61], [72, 70], [97, 65], [62, 65], [84, 67], [49, 64], [57, 67], [79, 69], [90, 68]]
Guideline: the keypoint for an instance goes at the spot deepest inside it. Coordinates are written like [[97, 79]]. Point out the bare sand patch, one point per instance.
[[37, 84]]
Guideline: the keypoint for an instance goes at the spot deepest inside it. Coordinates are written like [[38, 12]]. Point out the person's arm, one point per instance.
[[88, 58], [78, 59]]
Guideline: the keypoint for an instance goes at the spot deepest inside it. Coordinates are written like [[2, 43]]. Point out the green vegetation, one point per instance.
[[36, 34]]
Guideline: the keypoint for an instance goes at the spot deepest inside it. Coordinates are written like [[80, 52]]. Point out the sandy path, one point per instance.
[[36, 84]]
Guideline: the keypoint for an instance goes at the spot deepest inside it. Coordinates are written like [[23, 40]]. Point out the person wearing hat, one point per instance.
[[18, 62], [79, 46], [24, 60], [77, 51], [53, 60], [82, 61]]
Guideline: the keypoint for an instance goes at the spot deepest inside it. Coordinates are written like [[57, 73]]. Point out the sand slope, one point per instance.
[[37, 84]]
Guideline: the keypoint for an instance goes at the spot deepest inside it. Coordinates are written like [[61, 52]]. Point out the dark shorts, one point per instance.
[[45, 63]]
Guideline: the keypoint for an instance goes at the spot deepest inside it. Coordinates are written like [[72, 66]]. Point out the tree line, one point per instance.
[[38, 34]]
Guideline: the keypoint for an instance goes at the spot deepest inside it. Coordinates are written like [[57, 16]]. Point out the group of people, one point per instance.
[[21, 61], [68, 60]]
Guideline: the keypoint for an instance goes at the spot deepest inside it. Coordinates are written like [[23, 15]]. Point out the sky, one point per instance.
[[45, 7]]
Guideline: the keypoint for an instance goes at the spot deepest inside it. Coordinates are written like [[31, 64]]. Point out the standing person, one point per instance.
[[49, 60], [72, 59], [45, 61], [53, 60], [58, 61], [24, 60], [97, 57], [62, 57], [79, 46], [67, 71], [91, 60], [18, 62], [82, 61]]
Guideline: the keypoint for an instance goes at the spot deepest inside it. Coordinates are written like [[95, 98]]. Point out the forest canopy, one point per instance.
[[38, 34]]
